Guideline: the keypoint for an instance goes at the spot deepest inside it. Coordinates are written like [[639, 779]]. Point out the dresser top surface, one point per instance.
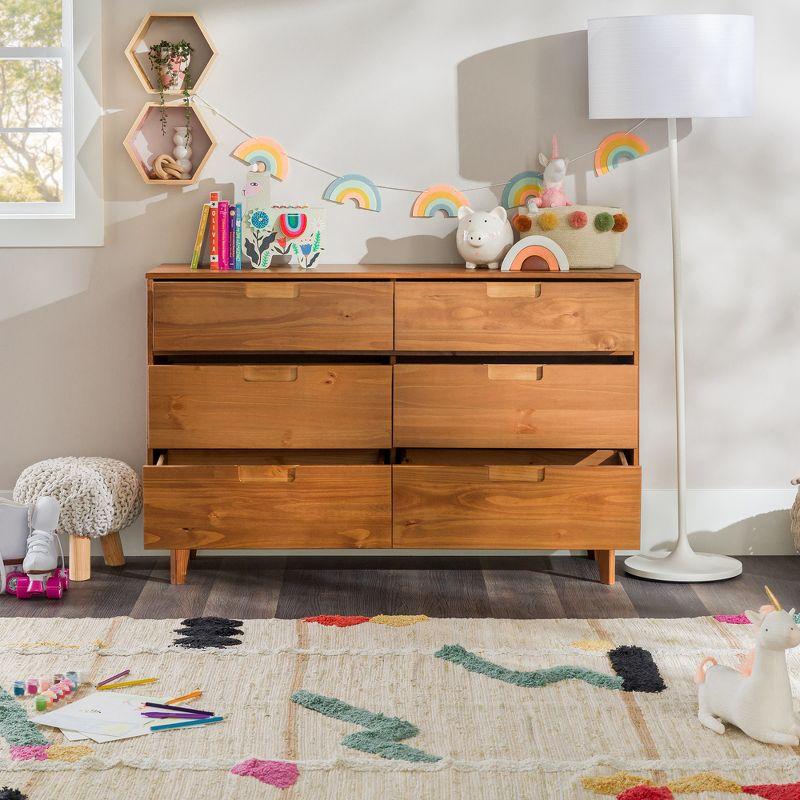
[[447, 272]]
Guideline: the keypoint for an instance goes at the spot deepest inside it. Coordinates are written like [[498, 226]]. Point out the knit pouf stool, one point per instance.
[[98, 496]]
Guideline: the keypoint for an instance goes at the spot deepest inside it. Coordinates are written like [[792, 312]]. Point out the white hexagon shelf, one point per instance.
[[145, 140], [172, 28]]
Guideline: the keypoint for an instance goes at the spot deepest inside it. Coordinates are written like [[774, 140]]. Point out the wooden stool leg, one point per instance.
[[178, 566], [605, 560], [112, 550], [80, 560]]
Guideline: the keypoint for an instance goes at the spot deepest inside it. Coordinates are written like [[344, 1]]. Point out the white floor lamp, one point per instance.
[[674, 66]]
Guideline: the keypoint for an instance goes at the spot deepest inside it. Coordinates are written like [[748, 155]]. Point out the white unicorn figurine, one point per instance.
[[756, 700], [555, 170]]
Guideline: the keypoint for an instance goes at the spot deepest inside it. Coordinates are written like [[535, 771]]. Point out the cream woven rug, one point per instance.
[[466, 733]]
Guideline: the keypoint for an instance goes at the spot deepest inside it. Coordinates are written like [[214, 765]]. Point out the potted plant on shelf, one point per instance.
[[170, 64]]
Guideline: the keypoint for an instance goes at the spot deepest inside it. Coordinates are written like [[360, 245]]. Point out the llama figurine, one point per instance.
[[759, 703], [555, 170]]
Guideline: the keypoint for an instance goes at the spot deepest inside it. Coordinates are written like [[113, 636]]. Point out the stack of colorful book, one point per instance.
[[223, 220]]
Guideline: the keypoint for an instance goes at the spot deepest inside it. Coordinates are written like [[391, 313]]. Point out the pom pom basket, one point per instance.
[[586, 247]]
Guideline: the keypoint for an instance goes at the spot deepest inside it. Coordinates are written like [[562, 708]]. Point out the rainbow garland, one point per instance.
[[267, 155]]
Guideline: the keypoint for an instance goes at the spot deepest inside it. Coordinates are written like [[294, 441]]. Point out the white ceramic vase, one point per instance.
[[182, 151]]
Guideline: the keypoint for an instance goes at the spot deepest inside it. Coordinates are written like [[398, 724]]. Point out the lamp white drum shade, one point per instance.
[[671, 65]]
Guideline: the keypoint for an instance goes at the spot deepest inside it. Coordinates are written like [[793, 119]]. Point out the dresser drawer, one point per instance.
[[515, 405], [516, 507], [516, 316], [285, 407], [247, 506], [268, 315]]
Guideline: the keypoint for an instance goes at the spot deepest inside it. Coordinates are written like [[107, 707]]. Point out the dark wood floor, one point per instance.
[[505, 587]]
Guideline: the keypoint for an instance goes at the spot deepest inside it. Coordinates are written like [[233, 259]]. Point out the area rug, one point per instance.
[[345, 708]]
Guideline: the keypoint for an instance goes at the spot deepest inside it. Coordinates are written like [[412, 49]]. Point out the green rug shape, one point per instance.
[[383, 735], [15, 727], [535, 678]]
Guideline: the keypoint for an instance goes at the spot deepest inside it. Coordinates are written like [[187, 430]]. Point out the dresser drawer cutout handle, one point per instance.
[[265, 474], [269, 374], [515, 473], [515, 372], [280, 291], [503, 289]]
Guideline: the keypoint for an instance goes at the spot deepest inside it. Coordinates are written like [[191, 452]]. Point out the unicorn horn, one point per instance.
[[554, 149], [773, 599]]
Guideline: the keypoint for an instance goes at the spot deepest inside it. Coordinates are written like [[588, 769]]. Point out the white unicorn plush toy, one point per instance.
[[555, 170], [756, 698]]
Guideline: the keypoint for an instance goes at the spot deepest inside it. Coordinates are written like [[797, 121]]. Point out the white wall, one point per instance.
[[454, 91]]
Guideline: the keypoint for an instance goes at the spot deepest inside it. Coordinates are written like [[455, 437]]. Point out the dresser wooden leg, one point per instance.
[[178, 565], [607, 565]]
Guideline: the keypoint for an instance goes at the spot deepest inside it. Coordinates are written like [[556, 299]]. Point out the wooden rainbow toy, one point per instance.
[[535, 254]]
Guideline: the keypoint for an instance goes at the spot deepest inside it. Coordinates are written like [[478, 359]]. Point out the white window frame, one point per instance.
[[65, 54], [85, 225]]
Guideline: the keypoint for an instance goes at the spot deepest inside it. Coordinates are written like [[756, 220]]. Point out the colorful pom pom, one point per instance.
[[577, 219], [620, 223], [522, 223], [547, 220], [604, 222]]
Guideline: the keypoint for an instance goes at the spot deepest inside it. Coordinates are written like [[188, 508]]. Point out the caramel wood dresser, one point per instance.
[[403, 406]]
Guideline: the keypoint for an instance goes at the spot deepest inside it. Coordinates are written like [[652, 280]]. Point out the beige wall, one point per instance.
[[453, 91]]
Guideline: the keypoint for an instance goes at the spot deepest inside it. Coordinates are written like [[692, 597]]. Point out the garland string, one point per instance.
[[214, 110]]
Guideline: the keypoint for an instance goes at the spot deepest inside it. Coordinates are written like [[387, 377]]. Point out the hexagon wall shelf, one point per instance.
[[145, 141], [173, 28]]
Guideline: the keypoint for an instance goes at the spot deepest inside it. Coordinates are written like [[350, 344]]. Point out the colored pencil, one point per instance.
[[113, 678], [184, 697], [124, 684], [186, 723], [172, 715], [179, 708]]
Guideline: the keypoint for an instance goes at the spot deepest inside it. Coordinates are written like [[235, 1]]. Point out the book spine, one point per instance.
[[224, 245], [198, 241], [213, 230], [238, 255], [232, 237]]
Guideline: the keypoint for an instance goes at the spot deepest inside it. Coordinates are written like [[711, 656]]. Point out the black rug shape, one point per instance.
[[199, 633], [7, 793], [637, 669]]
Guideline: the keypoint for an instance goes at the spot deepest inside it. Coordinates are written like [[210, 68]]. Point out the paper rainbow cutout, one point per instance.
[[539, 247], [521, 187], [440, 197], [354, 187], [617, 148], [266, 151]]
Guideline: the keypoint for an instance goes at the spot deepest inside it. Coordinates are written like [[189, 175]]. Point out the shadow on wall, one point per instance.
[[510, 102], [59, 274], [739, 537]]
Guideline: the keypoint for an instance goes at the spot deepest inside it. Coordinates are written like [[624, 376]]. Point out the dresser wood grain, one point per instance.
[[403, 406]]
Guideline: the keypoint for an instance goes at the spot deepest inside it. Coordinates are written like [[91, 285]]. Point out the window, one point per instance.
[[37, 147]]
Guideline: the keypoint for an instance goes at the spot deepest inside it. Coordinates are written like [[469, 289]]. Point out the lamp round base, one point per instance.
[[683, 567]]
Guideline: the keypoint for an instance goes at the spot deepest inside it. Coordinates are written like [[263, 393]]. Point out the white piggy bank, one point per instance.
[[483, 237]]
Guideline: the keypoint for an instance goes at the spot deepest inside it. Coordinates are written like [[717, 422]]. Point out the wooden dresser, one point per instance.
[[403, 406]]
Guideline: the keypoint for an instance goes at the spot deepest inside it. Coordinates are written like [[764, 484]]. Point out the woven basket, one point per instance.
[[794, 517], [585, 247]]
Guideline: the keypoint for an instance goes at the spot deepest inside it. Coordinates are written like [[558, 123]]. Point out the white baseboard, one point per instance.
[[730, 521]]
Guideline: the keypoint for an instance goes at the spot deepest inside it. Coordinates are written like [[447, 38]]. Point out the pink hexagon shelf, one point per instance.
[[172, 27], [145, 141]]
